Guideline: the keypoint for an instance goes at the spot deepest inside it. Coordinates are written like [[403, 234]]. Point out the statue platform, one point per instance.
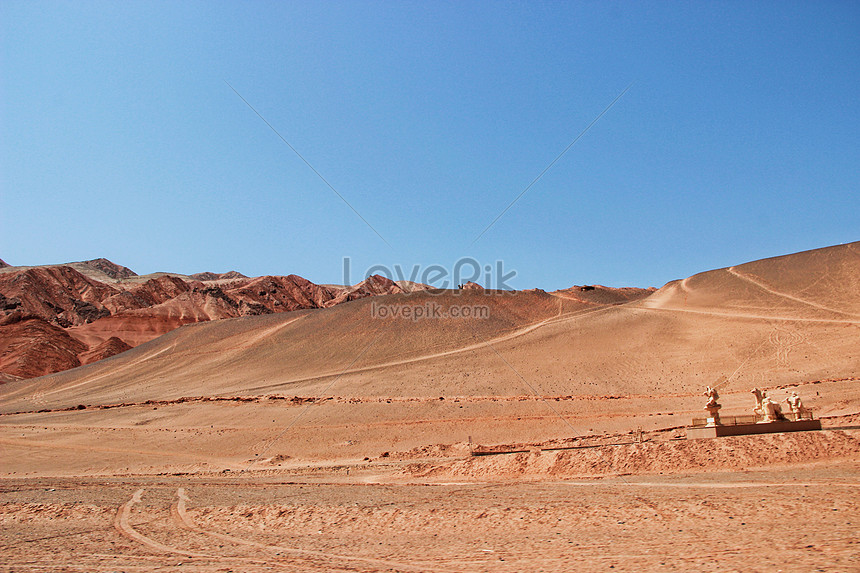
[[744, 427]]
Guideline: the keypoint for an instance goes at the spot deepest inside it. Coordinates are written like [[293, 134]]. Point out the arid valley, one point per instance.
[[224, 423]]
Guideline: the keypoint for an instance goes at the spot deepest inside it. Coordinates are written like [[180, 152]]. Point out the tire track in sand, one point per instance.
[[180, 515], [126, 530], [121, 523]]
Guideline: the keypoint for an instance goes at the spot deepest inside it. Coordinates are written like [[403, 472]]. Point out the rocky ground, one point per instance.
[[801, 517]]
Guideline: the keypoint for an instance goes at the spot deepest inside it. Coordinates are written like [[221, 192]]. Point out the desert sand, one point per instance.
[[339, 439]]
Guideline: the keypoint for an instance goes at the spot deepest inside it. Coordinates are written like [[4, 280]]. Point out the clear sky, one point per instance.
[[738, 139]]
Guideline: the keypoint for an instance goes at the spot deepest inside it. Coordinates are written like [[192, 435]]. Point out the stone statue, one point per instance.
[[712, 395], [758, 397], [795, 405], [766, 407], [712, 406], [772, 411]]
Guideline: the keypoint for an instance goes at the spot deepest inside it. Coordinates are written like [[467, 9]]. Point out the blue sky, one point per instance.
[[120, 138]]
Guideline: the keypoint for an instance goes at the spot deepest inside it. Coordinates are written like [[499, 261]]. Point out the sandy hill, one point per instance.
[[92, 302], [778, 320], [523, 366], [816, 285], [303, 350], [599, 294]]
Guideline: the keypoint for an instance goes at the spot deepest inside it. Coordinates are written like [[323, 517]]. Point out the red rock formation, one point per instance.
[[106, 349], [152, 292], [217, 276], [280, 294], [103, 319], [112, 270], [374, 285], [59, 295], [31, 347], [131, 327], [198, 304]]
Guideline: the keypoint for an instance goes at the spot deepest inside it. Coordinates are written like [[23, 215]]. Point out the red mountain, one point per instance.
[[59, 295], [279, 294], [106, 349], [31, 347], [374, 285], [112, 270], [217, 276]]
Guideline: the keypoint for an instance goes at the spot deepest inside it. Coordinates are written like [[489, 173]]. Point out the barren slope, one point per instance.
[[97, 300], [301, 350], [538, 367], [686, 335]]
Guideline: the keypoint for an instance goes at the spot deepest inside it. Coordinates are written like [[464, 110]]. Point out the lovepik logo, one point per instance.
[[466, 269]]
